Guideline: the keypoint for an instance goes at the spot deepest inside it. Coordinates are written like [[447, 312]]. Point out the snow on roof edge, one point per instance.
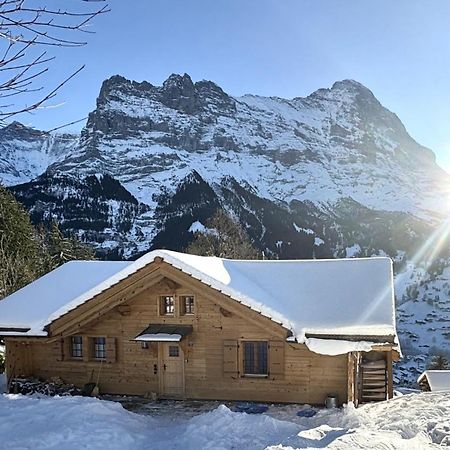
[[174, 260]]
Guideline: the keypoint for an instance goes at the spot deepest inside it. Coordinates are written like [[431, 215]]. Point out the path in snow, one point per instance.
[[414, 421]]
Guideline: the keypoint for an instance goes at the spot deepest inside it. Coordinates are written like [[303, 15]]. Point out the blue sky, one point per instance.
[[399, 49]]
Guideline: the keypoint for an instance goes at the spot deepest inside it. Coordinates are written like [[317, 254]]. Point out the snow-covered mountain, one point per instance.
[[26, 153], [330, 175], [336, 143]]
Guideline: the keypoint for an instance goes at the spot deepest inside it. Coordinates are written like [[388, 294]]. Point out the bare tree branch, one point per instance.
[[39, 103], [25, 27]]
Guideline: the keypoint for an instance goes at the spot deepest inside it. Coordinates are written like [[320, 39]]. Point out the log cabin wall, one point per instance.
[[219, 324]]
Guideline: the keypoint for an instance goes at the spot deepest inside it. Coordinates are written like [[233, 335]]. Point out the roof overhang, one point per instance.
[[164, 333], [13, 331]]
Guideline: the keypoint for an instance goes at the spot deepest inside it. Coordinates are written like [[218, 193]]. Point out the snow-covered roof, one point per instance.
[[439, 380], [339, 297], [34, 305]]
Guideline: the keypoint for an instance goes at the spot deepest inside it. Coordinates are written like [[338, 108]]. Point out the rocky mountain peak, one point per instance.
[[19, 130], [345, 91], [181, 83], [350, 85]]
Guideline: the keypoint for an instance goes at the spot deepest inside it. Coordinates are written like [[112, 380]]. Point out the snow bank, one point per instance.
[[3, 382], [410, 422], [73, 423]]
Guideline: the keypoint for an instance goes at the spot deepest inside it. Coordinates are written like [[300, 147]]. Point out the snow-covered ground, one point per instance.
[[413, 421]]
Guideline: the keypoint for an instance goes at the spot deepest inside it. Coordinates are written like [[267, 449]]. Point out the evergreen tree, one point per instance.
[[59, 249], [439, 362], [20, 252], [224, 238], [26, 254]]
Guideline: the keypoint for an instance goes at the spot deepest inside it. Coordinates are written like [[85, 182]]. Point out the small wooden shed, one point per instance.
[[185, 326], [435, 381]]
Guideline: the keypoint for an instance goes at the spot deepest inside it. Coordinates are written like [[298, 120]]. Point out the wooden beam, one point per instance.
[[351, 378], [98, 306], [390, 377]]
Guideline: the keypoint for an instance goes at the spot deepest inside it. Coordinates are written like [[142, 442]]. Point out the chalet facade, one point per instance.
[[184, 326]]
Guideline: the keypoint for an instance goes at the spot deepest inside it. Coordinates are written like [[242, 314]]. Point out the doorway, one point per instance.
[[172, 370]]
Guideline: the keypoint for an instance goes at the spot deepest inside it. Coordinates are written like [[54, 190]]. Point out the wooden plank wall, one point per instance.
[[305, 377]]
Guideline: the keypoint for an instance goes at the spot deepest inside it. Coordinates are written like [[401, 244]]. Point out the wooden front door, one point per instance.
[[172, 373]]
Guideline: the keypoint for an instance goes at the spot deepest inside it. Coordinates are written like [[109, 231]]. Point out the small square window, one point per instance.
[[76, 346], [167, 305], [255, 358], [174, 351], [187, 303], [100, 348]]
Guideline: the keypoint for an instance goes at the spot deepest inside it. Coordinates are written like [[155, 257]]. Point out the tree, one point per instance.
[[20, 252], [224, 238], [25, 253], [439, 362], [59, 249], [28, 31]]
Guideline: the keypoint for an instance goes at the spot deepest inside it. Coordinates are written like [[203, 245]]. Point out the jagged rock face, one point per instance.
[[336, 143], [334, 174], [25, 153]]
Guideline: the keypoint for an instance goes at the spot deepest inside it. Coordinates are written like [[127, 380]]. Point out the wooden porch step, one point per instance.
[[373, 390], [374, 365]]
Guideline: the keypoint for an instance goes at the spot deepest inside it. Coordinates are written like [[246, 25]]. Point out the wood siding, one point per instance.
[[213, 357]]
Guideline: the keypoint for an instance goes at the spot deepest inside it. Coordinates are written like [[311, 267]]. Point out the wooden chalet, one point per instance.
[[184, 326]]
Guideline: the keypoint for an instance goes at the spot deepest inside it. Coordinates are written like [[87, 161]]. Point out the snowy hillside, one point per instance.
[[334, 174]]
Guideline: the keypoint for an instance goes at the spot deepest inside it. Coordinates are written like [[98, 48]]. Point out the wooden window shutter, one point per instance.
[[87, 351], [67, 348], [276, 357], [110, 350], [57, 349], [230, 358]]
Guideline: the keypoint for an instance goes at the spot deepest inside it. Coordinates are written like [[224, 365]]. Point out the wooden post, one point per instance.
[[390, 381], [351, 378]]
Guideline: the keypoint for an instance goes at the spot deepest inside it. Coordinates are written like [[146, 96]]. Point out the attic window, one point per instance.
[[187, 304], [167, 305], [255, 358], [76, 346]]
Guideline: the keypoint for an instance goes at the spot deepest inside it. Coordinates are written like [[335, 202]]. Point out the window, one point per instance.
[[167, 305], [187, 304], [99, 348], [174, 350], [76, 346], [255, 358]]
